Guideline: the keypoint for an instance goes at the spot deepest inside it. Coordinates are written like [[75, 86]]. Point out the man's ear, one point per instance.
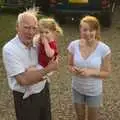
[[16, 27]]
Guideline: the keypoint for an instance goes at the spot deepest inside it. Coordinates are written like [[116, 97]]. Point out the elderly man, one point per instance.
[[19, 54]]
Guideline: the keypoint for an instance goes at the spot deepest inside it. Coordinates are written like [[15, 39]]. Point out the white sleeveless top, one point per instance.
[[88, 85]]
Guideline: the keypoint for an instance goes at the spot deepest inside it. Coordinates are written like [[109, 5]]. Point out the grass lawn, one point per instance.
[[7, 27], [62, 108]]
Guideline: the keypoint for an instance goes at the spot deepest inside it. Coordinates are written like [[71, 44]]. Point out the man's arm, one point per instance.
[[15, 68], [32, 77]]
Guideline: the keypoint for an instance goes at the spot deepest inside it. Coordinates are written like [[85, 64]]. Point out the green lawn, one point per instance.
[[7, 27]]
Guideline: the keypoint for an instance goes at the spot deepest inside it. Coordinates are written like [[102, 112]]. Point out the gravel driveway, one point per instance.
[[62, 108]]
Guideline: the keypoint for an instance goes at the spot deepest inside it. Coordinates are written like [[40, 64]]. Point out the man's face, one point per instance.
[[26, 29]]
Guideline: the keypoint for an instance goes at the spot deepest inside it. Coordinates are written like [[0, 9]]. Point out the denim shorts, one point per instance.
[[91, 101]]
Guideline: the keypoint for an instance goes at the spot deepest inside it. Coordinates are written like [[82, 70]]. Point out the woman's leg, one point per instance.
[[79, 104], [94, 103], [80, 111], [92, 113]]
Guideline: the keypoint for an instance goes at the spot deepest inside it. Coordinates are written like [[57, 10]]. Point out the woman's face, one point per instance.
[[86, 32]]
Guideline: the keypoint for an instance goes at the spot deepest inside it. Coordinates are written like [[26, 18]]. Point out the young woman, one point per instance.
[[89, 61]]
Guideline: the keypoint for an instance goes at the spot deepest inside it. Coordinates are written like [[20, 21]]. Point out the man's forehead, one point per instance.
[[29, 19], [28, 24]]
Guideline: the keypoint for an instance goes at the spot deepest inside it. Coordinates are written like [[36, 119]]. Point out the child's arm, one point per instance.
[[49, 51]]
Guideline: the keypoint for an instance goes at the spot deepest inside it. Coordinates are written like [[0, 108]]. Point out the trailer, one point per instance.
[[103, 9]]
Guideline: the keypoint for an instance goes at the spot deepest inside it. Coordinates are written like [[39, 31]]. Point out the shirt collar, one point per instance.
[[22, 45]]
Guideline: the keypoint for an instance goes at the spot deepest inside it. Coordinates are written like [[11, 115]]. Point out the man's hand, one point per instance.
[[53, 65], [31, 68]]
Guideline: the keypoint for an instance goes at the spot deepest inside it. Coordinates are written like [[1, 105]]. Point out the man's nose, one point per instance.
[[32, 30], [44, 34]]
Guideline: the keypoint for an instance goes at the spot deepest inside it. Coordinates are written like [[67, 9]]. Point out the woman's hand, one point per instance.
[[86, 72], [74, 70]]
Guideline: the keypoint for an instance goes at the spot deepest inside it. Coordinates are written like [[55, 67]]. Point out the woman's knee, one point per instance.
[[80, 111]]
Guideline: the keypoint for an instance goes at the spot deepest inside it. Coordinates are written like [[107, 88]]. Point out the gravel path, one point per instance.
[[62, 108]]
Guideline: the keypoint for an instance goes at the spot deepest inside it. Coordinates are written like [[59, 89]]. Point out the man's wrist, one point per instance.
[[43, 72], [97, 74]]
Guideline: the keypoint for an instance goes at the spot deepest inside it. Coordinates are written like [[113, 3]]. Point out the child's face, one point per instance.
[[86, 32], [47, 33]]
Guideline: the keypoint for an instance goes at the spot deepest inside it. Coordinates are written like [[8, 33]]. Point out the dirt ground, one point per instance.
[[60, 88]]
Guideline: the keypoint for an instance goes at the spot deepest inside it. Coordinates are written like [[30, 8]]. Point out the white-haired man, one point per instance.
[[19, 54]]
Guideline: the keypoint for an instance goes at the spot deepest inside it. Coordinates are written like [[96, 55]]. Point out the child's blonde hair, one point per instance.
[[94, 24], [51, 24]]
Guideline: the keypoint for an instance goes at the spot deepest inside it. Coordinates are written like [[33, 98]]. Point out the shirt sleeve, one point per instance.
[[106, 50], [12, 63], [71, 47]]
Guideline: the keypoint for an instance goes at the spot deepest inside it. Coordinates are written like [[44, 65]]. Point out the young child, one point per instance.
[[49, 32]]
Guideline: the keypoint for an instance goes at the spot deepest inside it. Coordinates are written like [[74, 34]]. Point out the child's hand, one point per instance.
[[44, 40]]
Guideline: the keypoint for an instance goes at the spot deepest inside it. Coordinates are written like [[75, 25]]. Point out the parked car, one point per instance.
[[75, 8]]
